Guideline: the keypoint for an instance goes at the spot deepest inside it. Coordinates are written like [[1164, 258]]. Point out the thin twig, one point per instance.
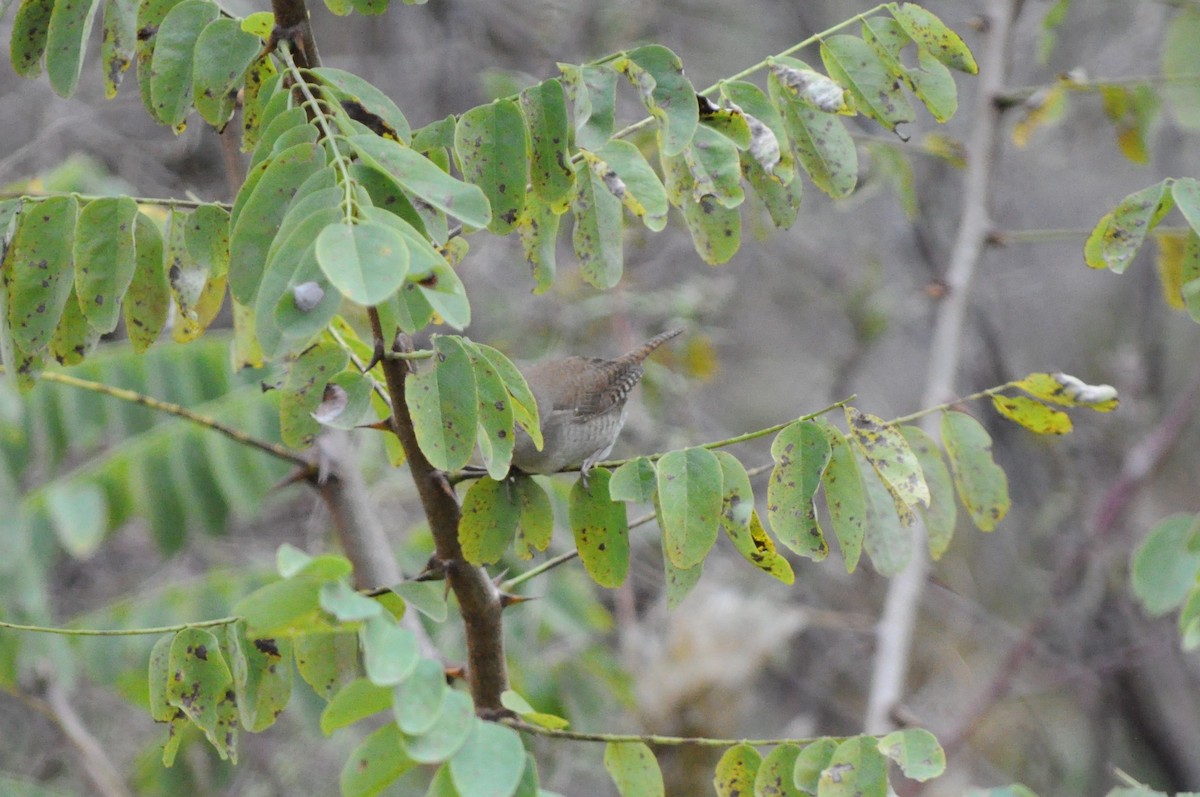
[[893, 648], [655, 739]]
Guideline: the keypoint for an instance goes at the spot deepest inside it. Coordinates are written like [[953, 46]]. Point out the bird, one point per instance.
[[582, 405]]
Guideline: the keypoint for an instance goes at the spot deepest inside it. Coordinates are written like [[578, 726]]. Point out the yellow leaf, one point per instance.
[[1169, 264], [1033, 415]]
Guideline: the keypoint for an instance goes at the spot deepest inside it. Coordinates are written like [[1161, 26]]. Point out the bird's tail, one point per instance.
[[643, 351]]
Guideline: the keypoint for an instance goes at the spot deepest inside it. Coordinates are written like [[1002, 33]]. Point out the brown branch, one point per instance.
[[478, 598]]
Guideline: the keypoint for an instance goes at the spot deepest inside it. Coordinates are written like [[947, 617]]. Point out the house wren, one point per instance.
[[582, 405]]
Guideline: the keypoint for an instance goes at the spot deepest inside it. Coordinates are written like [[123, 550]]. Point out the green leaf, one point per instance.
[[174, 53], [1186, 193], [303, 390], [857, 769], [520, 706], [769, 146], [367, 262], [741, 524], [916, 751], [821, 142], [1033, 415], [598, 231], [679, 582], [375, 764], [535, 525], [716, 169], [491, 143], [104, 258], [636, 481], [291, 561], [774, 777], [117, 42], [629, 177], [801, 452], [634, 769], [982, 485], [200, 684], [448, 733], [417, 701], [355, 701], [689, 501], [223, 54], [490, 764], [73, 338], [326, 661], [735, 772], [79, 513], [198, 282], [390, 653], [525, 409], [550, 173], [538, 230], [857, 66], [427, 597], [347, 605], [257, 215], [811, 762], [160, 676], [262, 676], [69, 31], [844, 495], [886, 449], [260, 78], [1165, 566], [281, 606], [716, 230], [489, 521], [422, 178], [1119, 235], [601, 529], [150, 15], [729, 122], [888, 540], [443, 403], [1180, 65], [386, 117], [933, 85], [592, 90], [932, 35], [29, 31], [495, 433], [37, 270], [657, 73], [941, 515]]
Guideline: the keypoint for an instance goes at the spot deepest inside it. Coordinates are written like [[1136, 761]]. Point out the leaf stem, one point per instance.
[[162, 629], [656, 739], [991, 391], [274, 449]]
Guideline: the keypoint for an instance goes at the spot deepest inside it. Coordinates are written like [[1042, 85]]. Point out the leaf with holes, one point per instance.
[[304, 389], [200, 685], [916, 751], [932, 36], [856, 769], [1033, 415], [774, 777], [630, 178], [262, 676], [888, 452], [491, 144], [735, 772], [741, 524], [876, 91]]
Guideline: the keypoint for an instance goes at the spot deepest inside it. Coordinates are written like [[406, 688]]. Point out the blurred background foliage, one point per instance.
[[841, 303]]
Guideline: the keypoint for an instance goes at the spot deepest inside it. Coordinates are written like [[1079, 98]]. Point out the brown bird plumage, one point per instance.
[[582, 404]]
